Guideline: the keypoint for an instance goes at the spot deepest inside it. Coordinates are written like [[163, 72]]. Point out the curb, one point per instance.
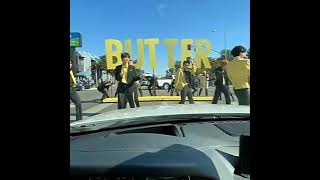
[[160, 98]]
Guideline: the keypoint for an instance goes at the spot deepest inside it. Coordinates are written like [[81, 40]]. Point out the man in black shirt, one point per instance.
[[152, 84], [136, 87], [102, 86], [126, 75], [172, 88], [195, 84], [222, 83], [184, 81], [73, 94]]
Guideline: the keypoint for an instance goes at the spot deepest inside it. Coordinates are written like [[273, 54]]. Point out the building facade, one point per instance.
[[84, 61]]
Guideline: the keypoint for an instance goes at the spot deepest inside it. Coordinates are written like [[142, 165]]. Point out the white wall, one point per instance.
[[84, 63]]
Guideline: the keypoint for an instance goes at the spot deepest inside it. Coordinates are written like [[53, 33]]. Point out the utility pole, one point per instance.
[[225, 46], [96, 75]]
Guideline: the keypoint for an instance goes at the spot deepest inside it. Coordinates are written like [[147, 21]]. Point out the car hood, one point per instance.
[[162, 110]]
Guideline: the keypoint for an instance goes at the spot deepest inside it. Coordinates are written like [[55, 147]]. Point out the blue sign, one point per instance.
[[75, 39]]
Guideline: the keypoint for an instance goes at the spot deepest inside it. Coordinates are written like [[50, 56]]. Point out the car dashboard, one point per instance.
[[190, 151]]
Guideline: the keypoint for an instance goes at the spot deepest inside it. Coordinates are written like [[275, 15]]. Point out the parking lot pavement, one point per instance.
[[91, 103]]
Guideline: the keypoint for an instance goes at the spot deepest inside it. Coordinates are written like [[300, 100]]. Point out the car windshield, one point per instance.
[[131, 60]]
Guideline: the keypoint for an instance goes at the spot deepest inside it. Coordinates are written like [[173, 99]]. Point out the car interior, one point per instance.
[[183, 151]]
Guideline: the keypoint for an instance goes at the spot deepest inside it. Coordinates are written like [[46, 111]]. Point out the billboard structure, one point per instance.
[[75, 40]]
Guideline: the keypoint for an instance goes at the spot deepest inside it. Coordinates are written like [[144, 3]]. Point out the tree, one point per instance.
[[215, 64], [222, 55], [168, 73], [102, 64], [177, 65], [248, 53]]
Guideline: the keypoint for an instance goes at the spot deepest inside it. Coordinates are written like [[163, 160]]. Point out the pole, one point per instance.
[[96, 76], [111, 85], [154, 82], [225, 46], [211, 50]]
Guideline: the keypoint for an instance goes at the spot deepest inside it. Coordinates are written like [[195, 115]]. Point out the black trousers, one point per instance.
[[115, 95], [231, 95], [194, 90], [205, 90], [217, 94], [186, 91], [140, 90], [151, 88], [135, 94], [243, 96], [123, 98], [171, 92], [101, 88], [76, 100]]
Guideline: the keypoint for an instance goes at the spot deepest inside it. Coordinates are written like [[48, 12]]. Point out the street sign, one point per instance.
[[75, 39]]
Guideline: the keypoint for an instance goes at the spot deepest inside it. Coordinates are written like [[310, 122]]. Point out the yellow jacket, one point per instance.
[[239, 72], [180, 79], [204, 84], [73, 82]]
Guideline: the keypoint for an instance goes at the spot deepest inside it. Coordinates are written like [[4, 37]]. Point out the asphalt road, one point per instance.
[[91, 101]]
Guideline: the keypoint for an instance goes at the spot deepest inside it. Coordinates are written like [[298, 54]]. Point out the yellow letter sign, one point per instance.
[[184, 51], [117, 53], [200, 56], [170, 43], [203, 55], [152, 51]]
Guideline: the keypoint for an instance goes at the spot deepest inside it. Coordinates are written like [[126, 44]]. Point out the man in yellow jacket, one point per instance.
[[239, 74], [73, 94], [184, 79]]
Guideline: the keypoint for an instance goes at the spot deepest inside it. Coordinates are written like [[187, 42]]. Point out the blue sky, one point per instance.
[[99, 20]]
